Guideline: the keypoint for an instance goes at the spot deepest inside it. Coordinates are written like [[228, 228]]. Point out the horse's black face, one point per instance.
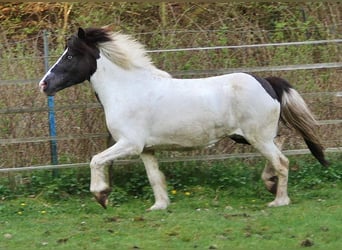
[[77, 64]]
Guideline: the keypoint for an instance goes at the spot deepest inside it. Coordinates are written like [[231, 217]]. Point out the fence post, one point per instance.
[[51, 107]]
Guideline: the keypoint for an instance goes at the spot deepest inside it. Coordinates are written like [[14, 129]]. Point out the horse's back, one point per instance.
[[193, 112]]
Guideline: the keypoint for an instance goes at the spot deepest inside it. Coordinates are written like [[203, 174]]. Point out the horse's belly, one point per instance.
[[190, 136], [192, 122]]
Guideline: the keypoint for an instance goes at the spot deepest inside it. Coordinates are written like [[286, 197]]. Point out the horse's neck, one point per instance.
[[108, 77], [111, 80]]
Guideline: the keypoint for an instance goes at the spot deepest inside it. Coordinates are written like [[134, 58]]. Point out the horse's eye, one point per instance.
[[69, 57]]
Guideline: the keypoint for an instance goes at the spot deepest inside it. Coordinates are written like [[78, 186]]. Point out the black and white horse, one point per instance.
[[146, 109]]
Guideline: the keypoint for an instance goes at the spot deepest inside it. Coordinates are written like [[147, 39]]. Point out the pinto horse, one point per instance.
[[147, 110]]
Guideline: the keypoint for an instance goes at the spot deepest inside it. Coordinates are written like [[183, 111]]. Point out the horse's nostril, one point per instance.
[[42, 86]]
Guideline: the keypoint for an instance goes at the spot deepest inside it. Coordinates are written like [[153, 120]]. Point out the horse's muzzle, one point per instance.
[[43, 86]]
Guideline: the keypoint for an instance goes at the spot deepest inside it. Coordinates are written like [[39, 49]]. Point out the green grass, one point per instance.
[[204, 218], [215, 205]]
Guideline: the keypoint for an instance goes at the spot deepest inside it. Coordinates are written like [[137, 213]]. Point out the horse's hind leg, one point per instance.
[[157, 181], [280, 165], [268, 175]]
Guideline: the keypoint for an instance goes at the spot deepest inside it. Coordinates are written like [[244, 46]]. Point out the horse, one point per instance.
[[148, 110]]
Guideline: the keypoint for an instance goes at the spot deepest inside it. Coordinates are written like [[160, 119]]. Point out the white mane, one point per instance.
[[128, 53]]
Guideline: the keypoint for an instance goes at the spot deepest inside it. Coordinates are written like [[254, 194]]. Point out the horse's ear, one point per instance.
[[81, 33]]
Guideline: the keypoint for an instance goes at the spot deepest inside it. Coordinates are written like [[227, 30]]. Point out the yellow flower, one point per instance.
[[174, 192], [23, 204], [187, 193], [20, 213], [43, 212]]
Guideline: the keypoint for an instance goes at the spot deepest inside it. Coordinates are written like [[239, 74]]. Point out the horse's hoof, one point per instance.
[[102, 197], [158, 206], [280, 202]]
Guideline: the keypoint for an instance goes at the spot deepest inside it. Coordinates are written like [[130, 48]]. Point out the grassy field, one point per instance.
[[202, 218]]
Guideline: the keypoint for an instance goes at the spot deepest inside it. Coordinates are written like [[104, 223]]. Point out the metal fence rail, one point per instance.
[[166, 160], [260, 69], [331, 65], [245, 46]]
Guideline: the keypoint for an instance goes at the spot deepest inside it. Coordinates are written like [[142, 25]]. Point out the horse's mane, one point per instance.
[[122, 50], [125, 52]]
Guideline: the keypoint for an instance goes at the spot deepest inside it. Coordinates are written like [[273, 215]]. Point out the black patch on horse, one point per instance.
[[93, 36], [279, 86], [239, 139], [267, 86]]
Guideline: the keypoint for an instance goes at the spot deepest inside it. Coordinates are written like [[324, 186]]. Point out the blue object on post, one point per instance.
[[51, 106], [52, 129]]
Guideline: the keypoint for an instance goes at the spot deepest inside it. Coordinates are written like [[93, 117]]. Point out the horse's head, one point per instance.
[[77, 63]]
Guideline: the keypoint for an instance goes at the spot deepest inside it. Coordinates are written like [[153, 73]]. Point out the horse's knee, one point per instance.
[[97, 162], [94, 162]]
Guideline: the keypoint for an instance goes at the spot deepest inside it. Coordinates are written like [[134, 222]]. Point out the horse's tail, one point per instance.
[[296, 114]]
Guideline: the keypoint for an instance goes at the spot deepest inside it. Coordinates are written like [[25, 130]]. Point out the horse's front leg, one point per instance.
[[99, 184], [157, 181]]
